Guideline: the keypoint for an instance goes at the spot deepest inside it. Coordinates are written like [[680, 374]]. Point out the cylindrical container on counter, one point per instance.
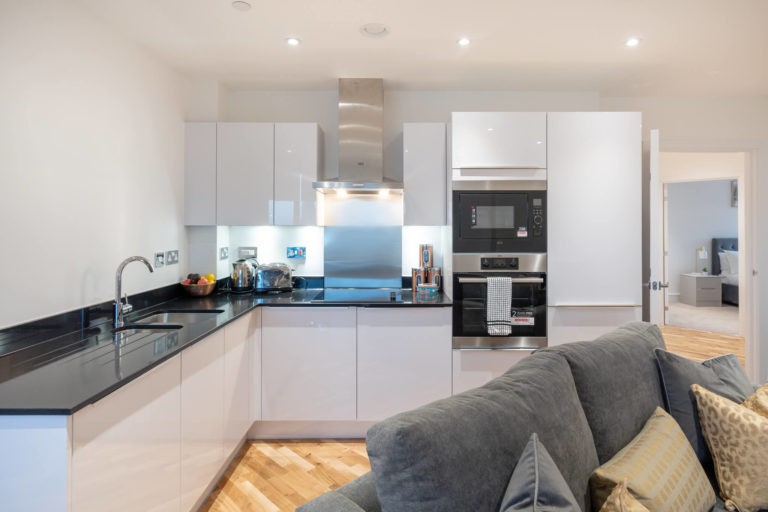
[[418, 276], [426, 255], [434, 276], [427, 291]]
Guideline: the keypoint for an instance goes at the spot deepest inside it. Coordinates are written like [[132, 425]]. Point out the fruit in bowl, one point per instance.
[[199, 286]]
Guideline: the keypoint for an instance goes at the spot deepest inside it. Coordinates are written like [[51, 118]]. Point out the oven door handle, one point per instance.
[[480, 280]]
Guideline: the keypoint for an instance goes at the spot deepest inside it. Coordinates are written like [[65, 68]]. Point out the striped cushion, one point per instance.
[[662, 471]]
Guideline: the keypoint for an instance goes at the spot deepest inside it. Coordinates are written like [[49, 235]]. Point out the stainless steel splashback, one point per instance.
[[363, 256]]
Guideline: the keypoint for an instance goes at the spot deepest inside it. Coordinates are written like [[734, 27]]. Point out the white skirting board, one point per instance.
[[309, 429]]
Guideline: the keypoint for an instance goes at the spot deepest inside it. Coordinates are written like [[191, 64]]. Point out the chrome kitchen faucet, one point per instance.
[[120, 308]]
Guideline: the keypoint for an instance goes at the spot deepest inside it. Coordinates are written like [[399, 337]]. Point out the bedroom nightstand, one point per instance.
[[701, 290]]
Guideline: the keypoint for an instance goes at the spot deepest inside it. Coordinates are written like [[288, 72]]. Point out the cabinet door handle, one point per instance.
[[480, 280]]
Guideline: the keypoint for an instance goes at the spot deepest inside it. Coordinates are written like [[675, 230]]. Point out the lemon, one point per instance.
[[210, 278]]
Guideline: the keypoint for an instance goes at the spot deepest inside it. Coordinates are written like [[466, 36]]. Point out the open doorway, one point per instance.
[[703, 245], [701, 234]]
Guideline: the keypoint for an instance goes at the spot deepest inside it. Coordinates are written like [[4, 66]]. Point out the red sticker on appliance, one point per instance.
[[522, 233]]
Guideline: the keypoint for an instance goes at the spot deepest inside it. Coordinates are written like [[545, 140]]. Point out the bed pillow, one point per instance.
[[733, 261], [536, 484], [738, 438], [662, 470], [725, 268], [723, 375]]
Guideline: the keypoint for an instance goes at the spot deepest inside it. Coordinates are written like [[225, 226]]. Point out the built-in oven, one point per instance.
[[528, 305], [495, 217]]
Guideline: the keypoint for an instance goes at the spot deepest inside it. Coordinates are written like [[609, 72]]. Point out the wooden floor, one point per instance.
[[700, 345], [278, 476]]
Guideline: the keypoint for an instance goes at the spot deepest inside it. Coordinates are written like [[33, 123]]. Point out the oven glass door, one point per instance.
[[492, 215], [528, 311]]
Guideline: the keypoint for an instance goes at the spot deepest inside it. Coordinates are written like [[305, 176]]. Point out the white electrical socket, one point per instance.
[[172, 257], [159, 259]]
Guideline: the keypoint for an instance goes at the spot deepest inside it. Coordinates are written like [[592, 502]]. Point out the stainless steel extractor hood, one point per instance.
[[361, 134]]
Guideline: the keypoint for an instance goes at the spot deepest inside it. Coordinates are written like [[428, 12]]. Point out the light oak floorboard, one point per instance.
[[700, 345], [278, 476]]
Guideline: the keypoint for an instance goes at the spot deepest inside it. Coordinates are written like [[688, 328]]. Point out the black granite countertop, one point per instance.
[[65, 372]]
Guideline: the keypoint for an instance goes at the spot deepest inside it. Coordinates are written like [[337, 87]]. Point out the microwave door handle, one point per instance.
[[481, 280]]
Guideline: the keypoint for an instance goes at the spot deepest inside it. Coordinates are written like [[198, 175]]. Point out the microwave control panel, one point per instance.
[[499, 263], [538, 217]]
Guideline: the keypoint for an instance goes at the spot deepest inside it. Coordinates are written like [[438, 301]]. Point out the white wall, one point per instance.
[[697, 212], [92, 161]]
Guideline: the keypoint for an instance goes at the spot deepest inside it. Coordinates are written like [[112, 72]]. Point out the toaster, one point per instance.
[[273, 277]]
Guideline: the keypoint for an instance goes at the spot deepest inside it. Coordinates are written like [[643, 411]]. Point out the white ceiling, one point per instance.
[[691, 47]]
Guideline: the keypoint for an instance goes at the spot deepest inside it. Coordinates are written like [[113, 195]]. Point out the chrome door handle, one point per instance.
[[663, 285]]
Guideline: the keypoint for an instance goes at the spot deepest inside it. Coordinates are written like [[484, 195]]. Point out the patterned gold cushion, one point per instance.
[[621, 500], [758, 402], [738, 440], [662, 470]]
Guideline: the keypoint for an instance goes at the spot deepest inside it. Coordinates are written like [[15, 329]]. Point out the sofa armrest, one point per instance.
[[332, 501], [359, 495]]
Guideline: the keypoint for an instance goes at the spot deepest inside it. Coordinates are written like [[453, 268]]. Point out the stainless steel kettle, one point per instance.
[[244, 275]]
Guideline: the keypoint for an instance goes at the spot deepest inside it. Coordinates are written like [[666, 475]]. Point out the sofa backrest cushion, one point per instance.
[[617, 381], [458, 453]]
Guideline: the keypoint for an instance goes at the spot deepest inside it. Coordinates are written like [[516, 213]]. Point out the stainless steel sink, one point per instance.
[[178, 316]]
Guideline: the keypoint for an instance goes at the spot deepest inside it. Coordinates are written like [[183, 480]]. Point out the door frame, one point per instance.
[[748, 296]]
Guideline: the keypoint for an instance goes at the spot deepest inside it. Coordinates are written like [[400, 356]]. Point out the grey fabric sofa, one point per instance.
[[585, 400]]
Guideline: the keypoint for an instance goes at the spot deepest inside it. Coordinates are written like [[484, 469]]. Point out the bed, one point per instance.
[[730, 280]]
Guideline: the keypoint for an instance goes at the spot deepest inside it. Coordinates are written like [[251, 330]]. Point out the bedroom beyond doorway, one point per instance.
[[702, 234]]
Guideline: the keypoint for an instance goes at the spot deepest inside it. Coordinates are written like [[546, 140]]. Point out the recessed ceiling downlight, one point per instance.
[[241, 5], [463, 41], [374, 30], [293, 41], [632, 42]]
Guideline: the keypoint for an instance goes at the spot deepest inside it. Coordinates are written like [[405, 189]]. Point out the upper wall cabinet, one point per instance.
[[244, 174], [297, 157], [200, 174], [499, 140], [424, 174]]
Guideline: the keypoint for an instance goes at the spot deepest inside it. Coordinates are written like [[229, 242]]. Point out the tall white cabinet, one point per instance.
[[594, 223], [297, 154], [424, 174]]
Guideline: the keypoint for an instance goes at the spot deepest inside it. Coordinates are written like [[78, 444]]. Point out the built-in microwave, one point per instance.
[[499, 221]]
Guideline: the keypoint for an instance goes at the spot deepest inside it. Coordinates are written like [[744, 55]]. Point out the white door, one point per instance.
[[657, 285], [308, 363], [244, 174], [424, 177], [297, 157], [403, 359]]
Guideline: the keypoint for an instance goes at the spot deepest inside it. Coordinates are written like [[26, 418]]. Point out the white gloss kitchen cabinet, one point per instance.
[[125, 447], [594, 223], [474, 367], [499, 140], [403, 359], [200, 174], [297, 159], [308, 363], [244, 173], [424, 174]]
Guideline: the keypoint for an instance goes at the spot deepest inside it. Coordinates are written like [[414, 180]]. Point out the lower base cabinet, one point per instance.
[[473, 368], [202, 416], [308, 363], [403, 359], [125, 447], [569, 324]]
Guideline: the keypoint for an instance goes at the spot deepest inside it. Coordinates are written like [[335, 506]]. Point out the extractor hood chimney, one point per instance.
[[361, 134]]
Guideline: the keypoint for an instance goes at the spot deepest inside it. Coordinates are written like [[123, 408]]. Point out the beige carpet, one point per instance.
[[724, 319]]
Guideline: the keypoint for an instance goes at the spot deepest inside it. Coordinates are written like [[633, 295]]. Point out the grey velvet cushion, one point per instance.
[[359, 495], [617, 380], [723, 375], [536, 484], [457, 454]]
